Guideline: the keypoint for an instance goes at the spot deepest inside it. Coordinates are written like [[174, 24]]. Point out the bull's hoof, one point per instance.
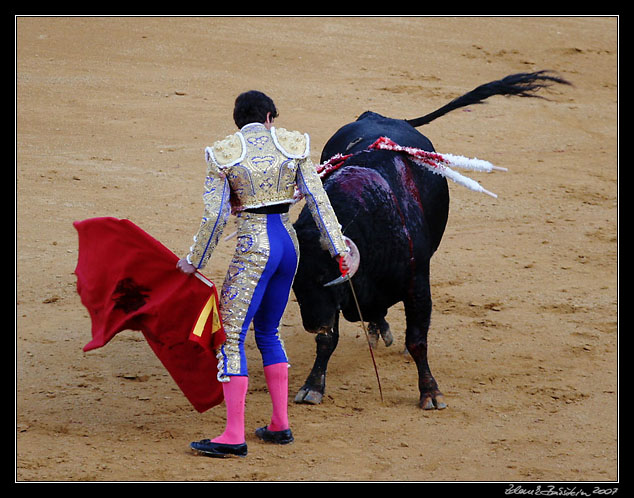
[[388, 339], [308, 396], [373, 337], [374, 331], [432, 402]]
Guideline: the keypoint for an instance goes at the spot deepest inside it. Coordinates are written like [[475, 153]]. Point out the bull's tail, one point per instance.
[[521, 85]]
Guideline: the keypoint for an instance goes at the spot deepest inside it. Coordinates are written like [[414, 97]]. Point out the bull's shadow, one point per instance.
[[395, 211]]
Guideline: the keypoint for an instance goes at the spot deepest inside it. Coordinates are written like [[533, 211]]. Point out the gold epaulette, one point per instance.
[[292, 143], [228, 151]]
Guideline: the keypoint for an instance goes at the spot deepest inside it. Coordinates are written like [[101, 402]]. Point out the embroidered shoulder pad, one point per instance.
[[292, 143], [227, 152]]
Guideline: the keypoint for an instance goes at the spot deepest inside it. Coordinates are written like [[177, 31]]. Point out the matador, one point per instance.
[[255, 174]]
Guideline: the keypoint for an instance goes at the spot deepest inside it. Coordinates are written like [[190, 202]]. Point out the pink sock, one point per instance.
[[234, 392], [277, 381]]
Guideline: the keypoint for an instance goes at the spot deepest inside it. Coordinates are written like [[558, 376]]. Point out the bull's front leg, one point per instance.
[[418, 316], [314, 388]]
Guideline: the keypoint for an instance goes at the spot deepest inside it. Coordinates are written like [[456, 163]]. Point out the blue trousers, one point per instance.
[[256, 290]]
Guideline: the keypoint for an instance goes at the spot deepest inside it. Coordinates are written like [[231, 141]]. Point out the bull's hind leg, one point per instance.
[[314, 388], [418, 316]]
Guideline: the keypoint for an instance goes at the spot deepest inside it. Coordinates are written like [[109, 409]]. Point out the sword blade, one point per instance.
[[338, 280], [367, 337]]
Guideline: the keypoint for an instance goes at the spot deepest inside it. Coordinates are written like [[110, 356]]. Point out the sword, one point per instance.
[[354, 253], [367, 338], [338, 280], [204, 280], [345, 276]]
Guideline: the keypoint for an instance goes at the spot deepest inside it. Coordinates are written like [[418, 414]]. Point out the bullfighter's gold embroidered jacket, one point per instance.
[[258, 167]]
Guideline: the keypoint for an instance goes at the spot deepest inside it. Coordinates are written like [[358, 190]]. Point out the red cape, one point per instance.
[[129, 281]]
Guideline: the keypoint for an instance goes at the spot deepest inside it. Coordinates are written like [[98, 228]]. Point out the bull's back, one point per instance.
[[370, 126]]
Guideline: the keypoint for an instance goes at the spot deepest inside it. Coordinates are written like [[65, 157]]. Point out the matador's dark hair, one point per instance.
[[252, 107]]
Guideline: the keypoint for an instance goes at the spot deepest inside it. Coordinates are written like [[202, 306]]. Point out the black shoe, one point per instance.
[[219, 450], [277, 437]]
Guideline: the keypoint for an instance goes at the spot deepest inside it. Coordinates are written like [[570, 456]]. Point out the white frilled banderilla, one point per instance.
[[441, 164]]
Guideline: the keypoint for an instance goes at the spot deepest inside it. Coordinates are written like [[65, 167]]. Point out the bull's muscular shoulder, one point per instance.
[[228, 151], [291, 143]]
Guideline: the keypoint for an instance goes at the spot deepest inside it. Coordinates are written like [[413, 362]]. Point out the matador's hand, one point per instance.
[[185, 266], [345, 263], [349, 261]]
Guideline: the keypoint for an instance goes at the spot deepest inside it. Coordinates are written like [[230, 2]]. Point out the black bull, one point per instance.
[[396, 212]]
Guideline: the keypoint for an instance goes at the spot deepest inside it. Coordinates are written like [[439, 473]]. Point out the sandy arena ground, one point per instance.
[[113, 115]]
